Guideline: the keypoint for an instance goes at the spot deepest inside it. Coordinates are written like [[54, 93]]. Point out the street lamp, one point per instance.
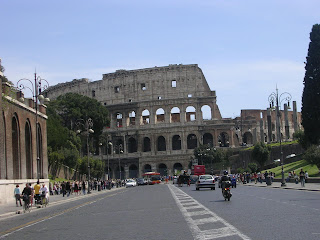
[[275, 102], [214, 150], [120, 151], [109, 144], [36, 88], [103, 165], [87, 124]]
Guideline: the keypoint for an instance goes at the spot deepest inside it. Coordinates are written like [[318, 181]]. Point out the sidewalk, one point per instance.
[[10, 209], [293, 186]]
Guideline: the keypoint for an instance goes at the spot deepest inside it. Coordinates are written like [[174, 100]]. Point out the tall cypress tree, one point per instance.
[[311, 92]]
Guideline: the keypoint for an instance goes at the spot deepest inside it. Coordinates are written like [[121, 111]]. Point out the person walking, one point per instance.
[[63, 188], [68, 188], [302, 177], [84, 187], [17, 195]]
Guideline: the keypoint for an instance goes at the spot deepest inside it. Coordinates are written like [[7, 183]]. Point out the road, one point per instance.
[[168, 212]]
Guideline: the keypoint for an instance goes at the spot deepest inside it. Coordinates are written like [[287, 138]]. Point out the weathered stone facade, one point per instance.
[[18, 151], [158, 116]]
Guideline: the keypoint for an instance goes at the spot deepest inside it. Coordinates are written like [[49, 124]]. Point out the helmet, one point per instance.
[[225, 172]]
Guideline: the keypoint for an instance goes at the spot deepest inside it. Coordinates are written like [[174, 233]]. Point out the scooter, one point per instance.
[[226, 191]]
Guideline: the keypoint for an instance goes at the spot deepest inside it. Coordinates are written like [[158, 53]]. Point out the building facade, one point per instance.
[[159, 115], [19, 161]]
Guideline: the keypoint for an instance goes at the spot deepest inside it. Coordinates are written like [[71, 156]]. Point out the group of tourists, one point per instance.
[[66, 188], [29, 193]]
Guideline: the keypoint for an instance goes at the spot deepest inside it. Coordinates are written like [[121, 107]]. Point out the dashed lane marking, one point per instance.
[[219, 227]]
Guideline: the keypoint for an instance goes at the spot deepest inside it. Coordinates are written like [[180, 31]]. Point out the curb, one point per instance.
[[52, 204], [287, 188]]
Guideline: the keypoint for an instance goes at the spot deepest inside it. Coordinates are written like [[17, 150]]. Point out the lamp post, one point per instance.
[[214, 150], [109, 144], [103, 164], [36, 88], [275, 102], [119, 151], [87, 124]]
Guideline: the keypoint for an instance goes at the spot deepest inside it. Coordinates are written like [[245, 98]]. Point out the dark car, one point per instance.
[[193, 179], [141, 181]]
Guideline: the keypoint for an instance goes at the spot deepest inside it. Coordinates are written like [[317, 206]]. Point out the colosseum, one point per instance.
[[159, 115]]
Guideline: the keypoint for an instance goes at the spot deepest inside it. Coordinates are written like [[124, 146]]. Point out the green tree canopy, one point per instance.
[[260, 153], [312, 155], [311, 98]]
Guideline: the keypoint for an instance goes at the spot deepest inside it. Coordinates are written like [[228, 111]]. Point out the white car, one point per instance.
[[206, 181], [131, 183]]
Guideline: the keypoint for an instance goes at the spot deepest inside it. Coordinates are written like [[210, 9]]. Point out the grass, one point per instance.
[[296, 166], [273, 145], [57, 179]]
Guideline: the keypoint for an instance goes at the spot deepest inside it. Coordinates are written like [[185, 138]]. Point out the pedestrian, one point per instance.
[[68, 188], [17, 195], [84, 187], [306, 176], [63, 188], [302, 177]]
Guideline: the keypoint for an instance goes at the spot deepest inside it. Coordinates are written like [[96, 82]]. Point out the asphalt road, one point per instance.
[[168, 212], [264, 213]]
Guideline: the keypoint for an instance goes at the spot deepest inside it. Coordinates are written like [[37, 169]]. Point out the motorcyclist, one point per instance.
[[225, 178]]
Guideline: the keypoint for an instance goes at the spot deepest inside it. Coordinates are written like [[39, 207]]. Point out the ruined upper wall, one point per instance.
[[149, 84]]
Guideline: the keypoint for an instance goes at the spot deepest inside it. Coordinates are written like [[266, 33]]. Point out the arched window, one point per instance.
[[206, 112], [190, 114], [162, 169], [119, 119], [208, 139], [247, 138], [192, 141], [223, 139], [177, 167], [160, 115], [132, 118], [15, 148], [145, 117], [176, 142], [132, 145], [146, 144], [28, 152], [161, 143], [40, 154], [175, 115], [147, 168]]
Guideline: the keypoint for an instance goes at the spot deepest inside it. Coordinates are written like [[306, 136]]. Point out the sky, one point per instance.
[[246, 49]]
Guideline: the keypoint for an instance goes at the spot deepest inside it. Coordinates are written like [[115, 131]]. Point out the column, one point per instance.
[[286, 120]]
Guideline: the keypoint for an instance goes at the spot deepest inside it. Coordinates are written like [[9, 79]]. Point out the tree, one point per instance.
[[261, 153], [311, 98], [312, 155], [253, 167], [301, 138]]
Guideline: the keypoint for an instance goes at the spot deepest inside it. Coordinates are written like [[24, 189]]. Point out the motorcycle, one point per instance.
[[226, 191]]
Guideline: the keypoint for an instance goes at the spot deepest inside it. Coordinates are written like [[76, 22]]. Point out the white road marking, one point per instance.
[[216, 232]]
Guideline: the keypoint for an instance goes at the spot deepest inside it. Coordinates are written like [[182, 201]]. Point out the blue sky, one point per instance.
[[244, 48]]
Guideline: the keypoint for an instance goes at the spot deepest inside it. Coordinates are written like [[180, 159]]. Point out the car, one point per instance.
[[206, 181], [193, 179], [142, 181], [175, 180], [131, 183]]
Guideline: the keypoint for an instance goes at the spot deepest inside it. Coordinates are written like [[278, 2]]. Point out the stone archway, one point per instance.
[[177, 167], [162, 169]]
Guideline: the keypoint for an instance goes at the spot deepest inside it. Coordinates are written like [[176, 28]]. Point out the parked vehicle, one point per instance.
[[131, 183], [206, 181], [142, 181]]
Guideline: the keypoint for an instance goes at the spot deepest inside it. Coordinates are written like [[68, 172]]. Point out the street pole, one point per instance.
[[87, 124], [275, 98]]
